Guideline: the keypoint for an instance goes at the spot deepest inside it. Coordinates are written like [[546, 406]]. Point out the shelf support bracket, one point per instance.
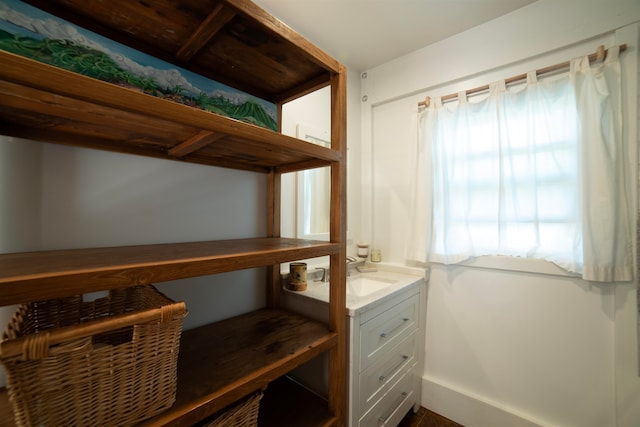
[[208, 28], [194, 143]]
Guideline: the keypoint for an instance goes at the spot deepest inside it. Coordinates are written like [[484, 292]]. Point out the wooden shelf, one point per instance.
[[48, 104], [233, 42], [225, 361], [33, 276]]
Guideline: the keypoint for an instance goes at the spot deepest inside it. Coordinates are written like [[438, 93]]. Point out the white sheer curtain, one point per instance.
[[537, 172]]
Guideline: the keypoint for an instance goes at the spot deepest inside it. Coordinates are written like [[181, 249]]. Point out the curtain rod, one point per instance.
[[599, 55]]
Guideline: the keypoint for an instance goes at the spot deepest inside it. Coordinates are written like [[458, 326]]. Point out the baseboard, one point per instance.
[[467, 410]]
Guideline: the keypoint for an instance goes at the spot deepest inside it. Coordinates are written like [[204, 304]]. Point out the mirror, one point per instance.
[[313, 191]]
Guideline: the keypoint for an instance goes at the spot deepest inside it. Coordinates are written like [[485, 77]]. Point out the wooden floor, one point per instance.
[[426, 418]]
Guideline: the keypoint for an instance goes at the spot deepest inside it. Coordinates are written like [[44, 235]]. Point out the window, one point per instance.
[[531, 172], [511, 189]]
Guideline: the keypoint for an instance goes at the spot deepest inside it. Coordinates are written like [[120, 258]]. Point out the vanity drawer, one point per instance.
[[394, 405], [380, 334], [383, 374]]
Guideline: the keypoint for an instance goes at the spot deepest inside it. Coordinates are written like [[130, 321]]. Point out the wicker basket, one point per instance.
[[111, 361], [243, 414]]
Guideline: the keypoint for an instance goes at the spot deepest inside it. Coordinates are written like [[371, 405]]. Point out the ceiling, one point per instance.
[[365, 33]]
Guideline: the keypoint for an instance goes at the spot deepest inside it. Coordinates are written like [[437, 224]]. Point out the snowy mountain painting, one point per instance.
[[35, 34]]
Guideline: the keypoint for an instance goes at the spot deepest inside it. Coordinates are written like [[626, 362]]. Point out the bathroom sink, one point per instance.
[[363, 286], [364, 290]]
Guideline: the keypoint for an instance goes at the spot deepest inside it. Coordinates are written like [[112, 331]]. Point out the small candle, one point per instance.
[[363, 250]]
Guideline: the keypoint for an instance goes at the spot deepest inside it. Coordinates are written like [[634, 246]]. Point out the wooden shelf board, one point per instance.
[[33, 276], [225, 361], [49, 104]]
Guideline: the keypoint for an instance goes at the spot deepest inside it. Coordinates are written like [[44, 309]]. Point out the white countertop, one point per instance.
[[399, 278]]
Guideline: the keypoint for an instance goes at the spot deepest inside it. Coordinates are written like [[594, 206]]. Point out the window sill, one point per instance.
[[526, 265]]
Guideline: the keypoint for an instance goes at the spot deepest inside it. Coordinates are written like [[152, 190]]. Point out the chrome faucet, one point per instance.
[[325, 274], [352, 263]]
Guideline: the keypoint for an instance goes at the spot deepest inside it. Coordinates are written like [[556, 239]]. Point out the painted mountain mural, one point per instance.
[[34, 34]]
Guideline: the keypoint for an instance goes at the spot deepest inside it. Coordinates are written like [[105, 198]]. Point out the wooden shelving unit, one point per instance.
[[237, 43]]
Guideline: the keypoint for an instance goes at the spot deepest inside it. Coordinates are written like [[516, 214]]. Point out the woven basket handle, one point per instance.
[[32, 346], [36, 346]]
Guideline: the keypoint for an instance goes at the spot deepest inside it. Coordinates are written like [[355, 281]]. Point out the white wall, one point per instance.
[[506, 348], [313, 111], [20, 180], [310, 111]]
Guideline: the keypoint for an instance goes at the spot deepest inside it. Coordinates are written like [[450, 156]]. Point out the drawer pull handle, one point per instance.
[[384, 418], [386, 334], [395, 369]]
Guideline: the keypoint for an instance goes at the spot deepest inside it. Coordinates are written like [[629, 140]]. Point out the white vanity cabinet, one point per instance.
[[385, 358], [386, 332]]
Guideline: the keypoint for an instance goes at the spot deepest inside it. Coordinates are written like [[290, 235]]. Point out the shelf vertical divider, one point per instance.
[[274, 227], [338, 234], [274, 181]]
